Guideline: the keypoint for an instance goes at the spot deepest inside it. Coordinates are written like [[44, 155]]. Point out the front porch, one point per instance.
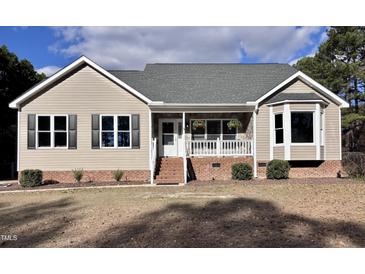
[[176, 135]]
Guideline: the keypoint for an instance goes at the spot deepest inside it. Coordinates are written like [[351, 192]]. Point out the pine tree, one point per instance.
[[340, 64]]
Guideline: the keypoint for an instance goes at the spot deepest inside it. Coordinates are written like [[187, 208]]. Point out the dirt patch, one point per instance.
[[311, 214], [55, 185]]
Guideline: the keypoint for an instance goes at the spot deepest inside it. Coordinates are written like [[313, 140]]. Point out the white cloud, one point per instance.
[[133, 47], [48, 70]]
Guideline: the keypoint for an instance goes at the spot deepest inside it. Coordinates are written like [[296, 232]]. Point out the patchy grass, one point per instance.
[[280, 214]]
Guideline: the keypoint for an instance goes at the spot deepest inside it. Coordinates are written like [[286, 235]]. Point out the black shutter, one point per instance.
[[95, 131], [31, 131], [72, 131], [135, 131]]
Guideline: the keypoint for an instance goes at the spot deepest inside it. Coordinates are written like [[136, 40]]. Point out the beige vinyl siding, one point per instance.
[[332, 133], [263, 134], [303, 152], [279, 108], [298, 87], [278, 152], [303, 106], [84, 93]]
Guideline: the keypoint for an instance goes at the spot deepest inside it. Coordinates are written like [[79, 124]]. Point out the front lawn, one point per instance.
[[304, 214]]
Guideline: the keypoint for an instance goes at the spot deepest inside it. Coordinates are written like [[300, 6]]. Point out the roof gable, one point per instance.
[[308, 81], [58, 75]]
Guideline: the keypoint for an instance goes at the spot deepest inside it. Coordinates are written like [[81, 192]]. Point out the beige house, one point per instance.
[[172, 123]]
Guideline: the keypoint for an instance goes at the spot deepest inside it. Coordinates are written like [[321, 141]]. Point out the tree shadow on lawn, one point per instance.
[[34, 224], [239, 222]]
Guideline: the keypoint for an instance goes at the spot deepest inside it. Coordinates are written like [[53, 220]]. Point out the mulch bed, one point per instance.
[[55, 185], [267, 181]]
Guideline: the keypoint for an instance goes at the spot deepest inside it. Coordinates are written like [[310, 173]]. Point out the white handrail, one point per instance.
[[218, 147], [153, 156]]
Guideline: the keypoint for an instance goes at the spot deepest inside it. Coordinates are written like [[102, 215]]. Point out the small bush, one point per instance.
[[241, 171], [78, 174], [354, 164], [277, 169], [117, 175], [31, 177]]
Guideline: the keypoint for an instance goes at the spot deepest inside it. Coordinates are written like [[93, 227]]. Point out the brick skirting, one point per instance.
[[326, 169], [204, 170], [96, 176]]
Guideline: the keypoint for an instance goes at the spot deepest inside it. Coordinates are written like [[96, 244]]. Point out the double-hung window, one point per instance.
[[52, 131], [228, 133], [214, 129], [199, 132], [279, 132], [115, 131]]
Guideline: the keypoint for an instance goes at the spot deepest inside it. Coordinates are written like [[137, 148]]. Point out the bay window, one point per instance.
[[115, 131]]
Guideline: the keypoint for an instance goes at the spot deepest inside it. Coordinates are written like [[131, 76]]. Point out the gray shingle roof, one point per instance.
[[293, 96], [206, 83]]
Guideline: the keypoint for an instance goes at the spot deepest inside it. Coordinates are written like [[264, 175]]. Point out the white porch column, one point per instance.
[[254, 145], [152, 167], [272, 132], [184, 148]]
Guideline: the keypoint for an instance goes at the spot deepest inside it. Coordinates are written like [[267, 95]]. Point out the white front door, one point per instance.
[[170, 137]]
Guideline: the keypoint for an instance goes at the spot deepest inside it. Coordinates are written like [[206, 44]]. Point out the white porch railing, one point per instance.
[[218, 147]]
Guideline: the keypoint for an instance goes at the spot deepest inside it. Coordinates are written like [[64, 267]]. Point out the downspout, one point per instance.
[[18, 141]]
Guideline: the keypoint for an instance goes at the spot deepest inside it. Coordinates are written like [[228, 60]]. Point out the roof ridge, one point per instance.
[[217, 63]]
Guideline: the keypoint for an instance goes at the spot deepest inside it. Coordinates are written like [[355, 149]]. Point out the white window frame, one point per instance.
[[115, 130], [313, 125], [52, 131], [274, 127], [206, 128]]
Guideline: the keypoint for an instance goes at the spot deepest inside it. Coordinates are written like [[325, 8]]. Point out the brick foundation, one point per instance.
[[324, 170], [204, 170], [96, 176]]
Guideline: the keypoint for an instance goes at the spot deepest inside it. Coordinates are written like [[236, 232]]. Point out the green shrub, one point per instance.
[[117, 175], [31, 177], [78, 174], [354, 164], [241, 171], [277, 169]]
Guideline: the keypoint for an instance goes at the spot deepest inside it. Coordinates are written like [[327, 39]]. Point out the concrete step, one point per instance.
[[170, 173], [171, 178], [167, 182]]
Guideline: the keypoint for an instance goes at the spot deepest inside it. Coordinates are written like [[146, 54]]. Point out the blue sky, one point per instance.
[[50, 48]]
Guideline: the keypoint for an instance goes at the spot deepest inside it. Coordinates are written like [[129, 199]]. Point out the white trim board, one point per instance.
[[82, 60]]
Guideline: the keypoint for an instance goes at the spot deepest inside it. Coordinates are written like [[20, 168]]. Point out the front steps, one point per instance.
[[169, 171]]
